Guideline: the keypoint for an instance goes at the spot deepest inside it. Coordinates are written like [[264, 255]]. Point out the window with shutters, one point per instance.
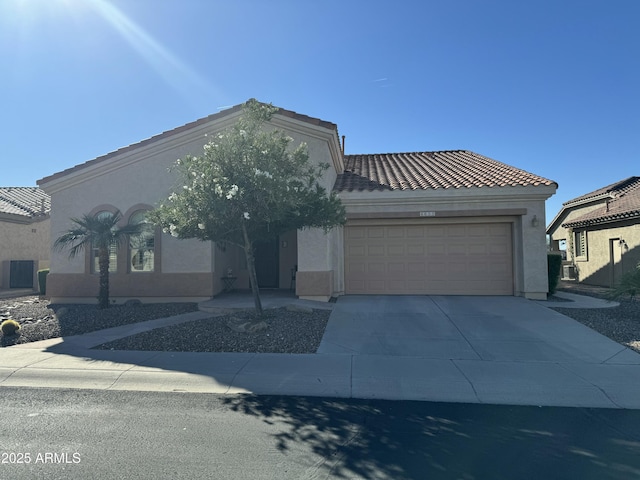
[[580, 243]]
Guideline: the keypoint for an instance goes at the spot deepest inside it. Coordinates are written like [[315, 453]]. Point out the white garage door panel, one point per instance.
[[455, 259]]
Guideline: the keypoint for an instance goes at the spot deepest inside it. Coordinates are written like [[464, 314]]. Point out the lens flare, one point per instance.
[[178, 75]]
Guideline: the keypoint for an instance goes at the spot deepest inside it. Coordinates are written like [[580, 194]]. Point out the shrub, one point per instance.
[[9, 327], [42, 280], [554, 265], [629, 285]]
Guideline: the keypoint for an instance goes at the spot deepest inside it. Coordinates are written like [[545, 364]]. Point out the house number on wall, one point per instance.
[[427, 214]]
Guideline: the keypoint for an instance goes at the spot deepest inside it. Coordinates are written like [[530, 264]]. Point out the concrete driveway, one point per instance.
[[478, 349], [509, 329]]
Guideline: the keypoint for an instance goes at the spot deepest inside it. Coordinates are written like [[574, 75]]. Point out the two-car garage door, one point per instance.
[[432, 259]]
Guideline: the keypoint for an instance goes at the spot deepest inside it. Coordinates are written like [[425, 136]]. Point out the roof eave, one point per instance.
[[621, 217], [571, 204], [583, 201], [220, 120], [21, 219], [498, 193]]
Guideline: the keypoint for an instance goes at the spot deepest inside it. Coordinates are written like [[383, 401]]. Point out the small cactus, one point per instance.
[[9, 327]]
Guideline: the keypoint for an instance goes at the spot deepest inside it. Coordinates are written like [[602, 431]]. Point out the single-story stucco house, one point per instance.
[[447, 222], [24, 235], [600, 232]]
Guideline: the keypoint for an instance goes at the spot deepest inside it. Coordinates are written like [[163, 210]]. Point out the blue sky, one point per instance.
[[552, 87]]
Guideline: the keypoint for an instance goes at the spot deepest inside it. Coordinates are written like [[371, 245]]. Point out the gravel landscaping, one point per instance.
[[621, 324], [40, 320], [288, 331]]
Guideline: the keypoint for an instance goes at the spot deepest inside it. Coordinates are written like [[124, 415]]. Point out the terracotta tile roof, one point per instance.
[[186, 127], [430, 170], [24, 201], [623, 202]]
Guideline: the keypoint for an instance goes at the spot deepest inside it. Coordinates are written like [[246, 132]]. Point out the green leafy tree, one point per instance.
[[248, 185], [102, 233]]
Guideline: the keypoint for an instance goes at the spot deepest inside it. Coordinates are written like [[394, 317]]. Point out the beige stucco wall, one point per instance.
[[319, 255], [142, 181], [321, 264], [140, 178], [533, 256], [23, 241]]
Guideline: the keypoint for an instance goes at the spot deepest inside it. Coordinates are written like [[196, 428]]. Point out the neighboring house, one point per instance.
[[24, 235], [601, 231], [451, 222]]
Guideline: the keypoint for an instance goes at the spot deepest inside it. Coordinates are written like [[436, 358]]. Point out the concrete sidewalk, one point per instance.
[[573, 300], [607, 377]]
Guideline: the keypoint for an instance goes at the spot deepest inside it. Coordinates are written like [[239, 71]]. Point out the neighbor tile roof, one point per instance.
[[609, 189], [430, 170], [216, 116], [623, 202], [24, 201]]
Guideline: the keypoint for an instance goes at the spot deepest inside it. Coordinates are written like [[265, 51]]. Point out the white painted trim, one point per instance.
[[315, 131]]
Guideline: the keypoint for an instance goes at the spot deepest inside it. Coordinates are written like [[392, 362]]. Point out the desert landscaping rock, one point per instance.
[[286, 332], [299, 308], [243, 325], [40, 320], [621, 323]]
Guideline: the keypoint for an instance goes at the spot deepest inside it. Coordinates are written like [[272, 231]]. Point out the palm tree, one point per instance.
[[99, 232]]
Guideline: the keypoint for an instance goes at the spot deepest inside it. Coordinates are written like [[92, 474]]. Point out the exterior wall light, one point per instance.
[[534, 221]]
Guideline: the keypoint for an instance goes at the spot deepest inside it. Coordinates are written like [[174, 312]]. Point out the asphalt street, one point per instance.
[[80, 434]]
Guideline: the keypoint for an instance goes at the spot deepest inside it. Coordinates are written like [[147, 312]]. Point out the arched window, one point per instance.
[[113, 251], [142, 247]]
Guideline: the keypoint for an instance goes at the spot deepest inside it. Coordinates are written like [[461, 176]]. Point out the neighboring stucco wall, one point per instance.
[[23, 241], [562, 233], [605, 261], [596, 268]]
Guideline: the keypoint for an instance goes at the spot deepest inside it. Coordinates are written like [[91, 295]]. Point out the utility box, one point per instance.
[[568, 272], [21, 274]]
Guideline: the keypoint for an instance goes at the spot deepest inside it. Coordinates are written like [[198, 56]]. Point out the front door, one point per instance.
[[267, 263], [615, 261]]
